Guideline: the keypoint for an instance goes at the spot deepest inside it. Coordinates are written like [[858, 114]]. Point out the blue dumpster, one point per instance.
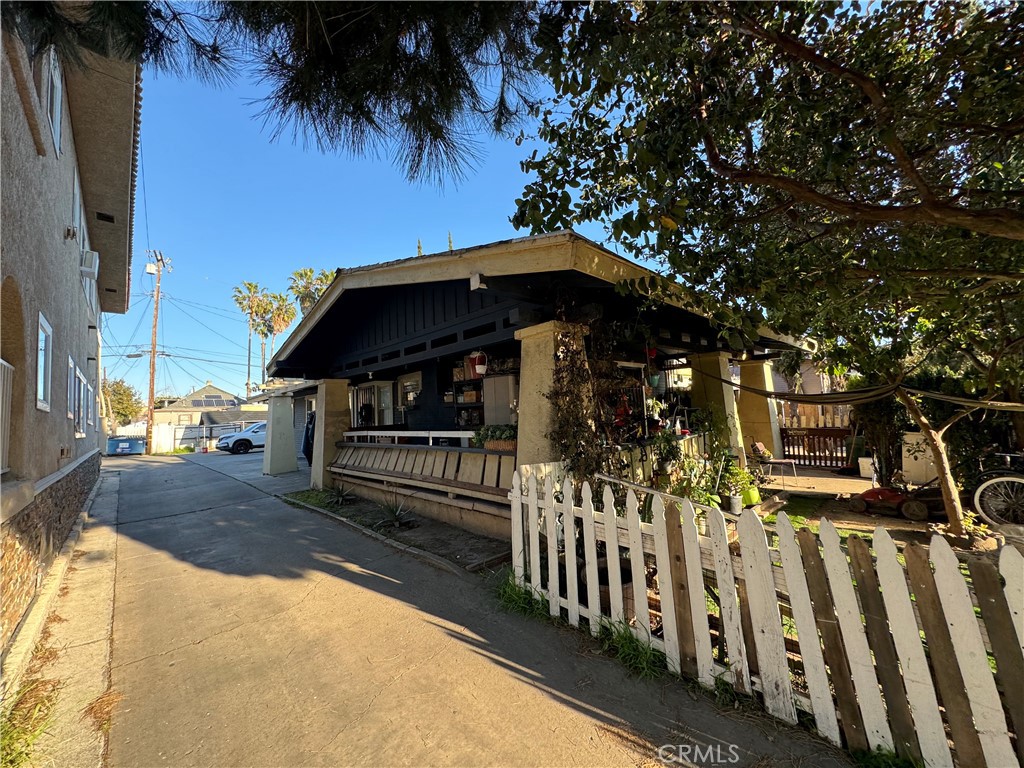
[[126, 446]]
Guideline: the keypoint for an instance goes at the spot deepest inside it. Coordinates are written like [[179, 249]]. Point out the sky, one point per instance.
[[224, 203]]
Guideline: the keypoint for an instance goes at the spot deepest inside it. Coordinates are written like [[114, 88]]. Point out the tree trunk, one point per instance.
[[263, 359], [933, 437]]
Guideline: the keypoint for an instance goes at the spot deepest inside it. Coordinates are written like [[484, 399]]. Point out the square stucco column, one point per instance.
[[759, 416], [712, 387], [539, 344], [333, 419], [279, 454]]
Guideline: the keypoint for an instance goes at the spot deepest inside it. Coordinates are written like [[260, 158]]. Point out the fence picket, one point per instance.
[[662, 560], [943, 657], [518, 540], [533, 523], [764, 614], [1003, 638], [639, 572], [550, 513], [917, 679], [970, 650], [807, 632], [698, 604], [679, 586], [731, 624], [590, 559], [886, 661], [569, 536], [854, 639], [611, 538], [1011, 567], [832, 642]]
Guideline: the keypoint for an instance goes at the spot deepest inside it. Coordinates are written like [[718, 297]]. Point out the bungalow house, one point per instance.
[[70, 138], [410, 358], [199, 407]]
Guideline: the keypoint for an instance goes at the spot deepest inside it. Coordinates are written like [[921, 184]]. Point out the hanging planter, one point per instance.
[[654, 379], [479, 362]]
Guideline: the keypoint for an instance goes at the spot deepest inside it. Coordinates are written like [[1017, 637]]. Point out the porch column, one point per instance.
[[759, 416], [712, 388], [333, 419], [279, 454], [539, 344]]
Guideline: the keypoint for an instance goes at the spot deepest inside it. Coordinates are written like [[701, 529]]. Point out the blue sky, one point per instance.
[[225, 203]]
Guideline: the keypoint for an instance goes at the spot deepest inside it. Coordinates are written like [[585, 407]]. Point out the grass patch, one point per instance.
[[881, 758], [24, 719], [101, 710], [326, 498], [805, 512], [521, 599], [180, 449], [639, 657]]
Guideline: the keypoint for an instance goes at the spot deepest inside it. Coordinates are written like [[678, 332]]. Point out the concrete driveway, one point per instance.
[[247, 632]]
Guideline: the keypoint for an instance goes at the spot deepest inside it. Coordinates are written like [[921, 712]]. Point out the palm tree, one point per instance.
[[247, 298], [281, 316], [262, 326], [307, 286]]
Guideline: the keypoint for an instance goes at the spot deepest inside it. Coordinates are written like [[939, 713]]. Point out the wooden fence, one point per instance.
[[867, 639], [802, 415]]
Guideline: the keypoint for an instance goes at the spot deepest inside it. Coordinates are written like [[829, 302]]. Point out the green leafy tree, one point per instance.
[[263, 326], [249, 298], [123, 401], [410, 80], [849, 171]]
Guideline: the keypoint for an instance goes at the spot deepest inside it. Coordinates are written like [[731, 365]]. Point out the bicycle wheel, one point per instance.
[[1000, 500]]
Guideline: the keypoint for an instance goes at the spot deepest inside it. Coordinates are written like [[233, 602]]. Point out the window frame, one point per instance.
[[90, 405], [72, 383], [44, 389], [55, 99], [80, 397]]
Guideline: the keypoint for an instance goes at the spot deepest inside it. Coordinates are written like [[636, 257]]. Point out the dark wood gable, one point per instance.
[[371, 329]]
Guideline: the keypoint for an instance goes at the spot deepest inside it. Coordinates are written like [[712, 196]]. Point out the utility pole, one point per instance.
[[155, 267]]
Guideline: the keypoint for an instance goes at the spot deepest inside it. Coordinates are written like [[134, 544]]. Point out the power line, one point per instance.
[[208, 308], [193, 317]]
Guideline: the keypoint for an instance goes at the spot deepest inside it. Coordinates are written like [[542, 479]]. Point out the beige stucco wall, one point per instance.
[[40, 273]]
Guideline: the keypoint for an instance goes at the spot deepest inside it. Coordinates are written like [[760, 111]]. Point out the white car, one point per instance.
[[244, 441]]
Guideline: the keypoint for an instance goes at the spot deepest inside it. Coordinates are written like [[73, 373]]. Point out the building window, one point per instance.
[[55, 98], [81, 398], [184, 418], [72, 384], [90, 405], [44, 364]]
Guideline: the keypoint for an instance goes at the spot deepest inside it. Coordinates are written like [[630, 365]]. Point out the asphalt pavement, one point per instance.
[[247, 632]]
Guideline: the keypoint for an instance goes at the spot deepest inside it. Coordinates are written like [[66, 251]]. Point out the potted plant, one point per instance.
[[666, 448], [739, 488], [496, 437]]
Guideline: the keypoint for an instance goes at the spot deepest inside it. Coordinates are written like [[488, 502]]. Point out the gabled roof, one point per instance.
[[557, 252], [205, 398]]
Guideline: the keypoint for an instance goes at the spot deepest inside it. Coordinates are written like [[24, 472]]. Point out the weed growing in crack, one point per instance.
[[639, 657]]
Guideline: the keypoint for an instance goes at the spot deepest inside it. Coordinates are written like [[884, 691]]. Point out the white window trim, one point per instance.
[[90, 407], [44, 327], [80, 395], [72, 383], [55, 99]]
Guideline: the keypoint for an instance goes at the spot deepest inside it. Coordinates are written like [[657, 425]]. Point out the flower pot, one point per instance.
[[500, 445]]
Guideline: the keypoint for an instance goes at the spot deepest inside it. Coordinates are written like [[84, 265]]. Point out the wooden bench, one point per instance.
[[456, 472]]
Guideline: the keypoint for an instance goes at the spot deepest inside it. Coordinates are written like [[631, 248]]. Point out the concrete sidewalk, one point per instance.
[[247, 632]]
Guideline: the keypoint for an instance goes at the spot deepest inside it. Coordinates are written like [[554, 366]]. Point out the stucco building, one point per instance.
[[69, 149]]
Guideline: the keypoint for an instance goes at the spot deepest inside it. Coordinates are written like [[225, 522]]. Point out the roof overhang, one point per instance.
[[105, 102], [563, 251]]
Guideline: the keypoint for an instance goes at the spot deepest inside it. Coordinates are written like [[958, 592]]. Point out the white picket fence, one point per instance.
[[868, 653]]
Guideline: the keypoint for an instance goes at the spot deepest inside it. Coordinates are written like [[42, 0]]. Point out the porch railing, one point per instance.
[[6, 394], [431, 435]]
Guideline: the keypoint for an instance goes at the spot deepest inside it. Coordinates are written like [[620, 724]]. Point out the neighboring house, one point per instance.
[[393, 351], [70, 138], [208, 399]]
